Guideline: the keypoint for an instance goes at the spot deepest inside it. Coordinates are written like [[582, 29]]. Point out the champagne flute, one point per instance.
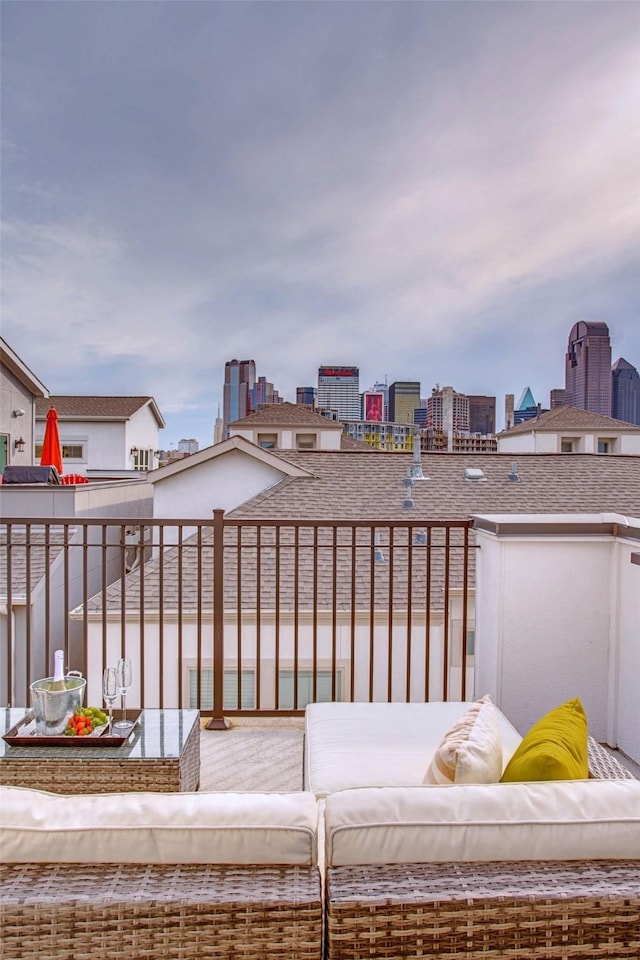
[[110, 691], [123, 679]]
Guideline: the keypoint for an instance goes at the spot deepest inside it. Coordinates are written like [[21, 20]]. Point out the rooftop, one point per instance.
[[96, 408], [570, 418]]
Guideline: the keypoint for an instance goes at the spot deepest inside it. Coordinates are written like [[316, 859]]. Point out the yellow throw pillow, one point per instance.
[[555, 748], [471, 750]]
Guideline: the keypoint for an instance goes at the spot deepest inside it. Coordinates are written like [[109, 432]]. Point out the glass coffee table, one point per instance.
[[162, 753]]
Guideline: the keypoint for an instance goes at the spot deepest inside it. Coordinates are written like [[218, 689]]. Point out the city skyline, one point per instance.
[[432, 192]]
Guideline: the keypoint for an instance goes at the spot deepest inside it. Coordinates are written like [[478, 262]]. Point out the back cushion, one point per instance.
[[565, 820], [246, 828]]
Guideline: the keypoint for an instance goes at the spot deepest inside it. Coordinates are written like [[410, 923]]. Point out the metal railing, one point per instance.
[[240, 617]]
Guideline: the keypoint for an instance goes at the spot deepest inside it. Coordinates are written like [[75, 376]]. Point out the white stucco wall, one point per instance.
[[220, 483], [287, 436], [520, 443], [556, 618], [626, 682]]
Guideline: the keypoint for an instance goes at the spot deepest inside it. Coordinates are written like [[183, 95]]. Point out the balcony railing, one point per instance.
[[239, 617]]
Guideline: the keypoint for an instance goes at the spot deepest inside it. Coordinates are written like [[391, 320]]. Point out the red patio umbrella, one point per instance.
[[51, 455]]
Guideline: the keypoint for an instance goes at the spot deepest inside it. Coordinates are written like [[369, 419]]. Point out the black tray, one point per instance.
[[16, 737]]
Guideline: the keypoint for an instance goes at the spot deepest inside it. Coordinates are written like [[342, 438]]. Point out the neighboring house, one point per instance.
[[288, 426], [104, 437], [571, 430], [336, 486], [19, 390], [42, 566]]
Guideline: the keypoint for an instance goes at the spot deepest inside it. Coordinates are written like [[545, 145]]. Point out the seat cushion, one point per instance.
[[471, 750], [562, 820], [214, 828], [380, 744], [555, 748]]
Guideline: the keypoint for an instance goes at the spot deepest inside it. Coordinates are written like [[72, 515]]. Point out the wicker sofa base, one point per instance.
[[571, 910], [179, 912]]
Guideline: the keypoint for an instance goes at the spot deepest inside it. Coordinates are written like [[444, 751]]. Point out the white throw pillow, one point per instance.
[[471, 750]]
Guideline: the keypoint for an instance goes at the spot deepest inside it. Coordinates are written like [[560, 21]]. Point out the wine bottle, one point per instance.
[[58, 683]]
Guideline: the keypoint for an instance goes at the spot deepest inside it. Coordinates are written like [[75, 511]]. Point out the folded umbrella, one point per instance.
[[51, 455]]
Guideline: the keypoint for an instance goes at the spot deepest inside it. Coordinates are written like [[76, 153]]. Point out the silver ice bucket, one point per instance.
[[53, 708]]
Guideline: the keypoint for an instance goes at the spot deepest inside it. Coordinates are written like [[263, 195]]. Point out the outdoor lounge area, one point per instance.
[[337, 870]]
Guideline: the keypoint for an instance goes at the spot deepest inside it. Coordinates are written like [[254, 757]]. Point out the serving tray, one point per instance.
[[23, 734]]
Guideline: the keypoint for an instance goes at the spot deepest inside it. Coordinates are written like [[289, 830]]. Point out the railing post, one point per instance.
[[218, 721]]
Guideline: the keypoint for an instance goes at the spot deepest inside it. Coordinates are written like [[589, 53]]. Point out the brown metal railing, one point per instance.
[[240, 617]]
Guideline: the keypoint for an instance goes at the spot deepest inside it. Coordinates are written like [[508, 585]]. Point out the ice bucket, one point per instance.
[[53, 708]]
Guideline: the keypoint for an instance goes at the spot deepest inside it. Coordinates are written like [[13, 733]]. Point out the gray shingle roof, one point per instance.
[[286, 415], [356, 486], [96, 408], [569, 418]]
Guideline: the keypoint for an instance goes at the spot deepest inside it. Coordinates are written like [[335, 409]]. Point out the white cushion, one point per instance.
[[471, 750], [247, 828], [380, 744], [561, 820]]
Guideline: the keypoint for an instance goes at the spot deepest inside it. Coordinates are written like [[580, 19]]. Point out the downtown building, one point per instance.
[[588, 368], [239, 381], [625, 392], [339, 392], [404, 400]]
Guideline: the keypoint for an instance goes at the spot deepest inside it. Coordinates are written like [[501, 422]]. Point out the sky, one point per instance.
[[432, 191]]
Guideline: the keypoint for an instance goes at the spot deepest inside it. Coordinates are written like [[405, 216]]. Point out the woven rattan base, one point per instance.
[[63, 911], [574, 910]]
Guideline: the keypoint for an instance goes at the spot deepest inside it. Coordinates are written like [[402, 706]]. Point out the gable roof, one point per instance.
[[286, 415], [12, 362], [569, 418], [270, 457], [347, 486], [97, 408]]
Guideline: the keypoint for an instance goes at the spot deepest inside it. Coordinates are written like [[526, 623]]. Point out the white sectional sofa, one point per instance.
[[545, 869]]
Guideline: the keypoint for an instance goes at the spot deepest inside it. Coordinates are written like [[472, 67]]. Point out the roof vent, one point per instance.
[[408, 503], [416, 471], [474, 474], [513, 476], [420, 538], [378, 553]]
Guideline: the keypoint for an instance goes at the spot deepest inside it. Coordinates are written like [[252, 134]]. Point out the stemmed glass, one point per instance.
[[110, 690], [123, 680]]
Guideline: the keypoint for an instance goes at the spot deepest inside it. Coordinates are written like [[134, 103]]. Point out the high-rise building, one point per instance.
[[447, 413], [404, 398], [557, 397], [527, 408], [263, 393], [625, 392], [239, 380], [588, 367], [306, 397], [482, 415], [339, 391], [188, 445]]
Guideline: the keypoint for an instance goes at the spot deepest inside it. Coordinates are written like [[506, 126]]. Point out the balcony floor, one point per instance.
[[255, 755]]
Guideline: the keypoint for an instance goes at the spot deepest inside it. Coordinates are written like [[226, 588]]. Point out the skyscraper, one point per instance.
[[339, 390], [404, 398], [588, 367], [239, 380], [625, 392], [482, 415]]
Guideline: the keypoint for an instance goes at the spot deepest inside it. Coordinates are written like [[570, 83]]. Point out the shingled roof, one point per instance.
[[286, 415], [569, 418], [355, 486], [96, 408]]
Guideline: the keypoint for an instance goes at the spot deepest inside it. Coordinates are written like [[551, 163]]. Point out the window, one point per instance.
[[606, 445], [306, 441], [230, 689], [305, 687], [267, 440], [70, 451], [456, 644], [143, 458], [566, 445]]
